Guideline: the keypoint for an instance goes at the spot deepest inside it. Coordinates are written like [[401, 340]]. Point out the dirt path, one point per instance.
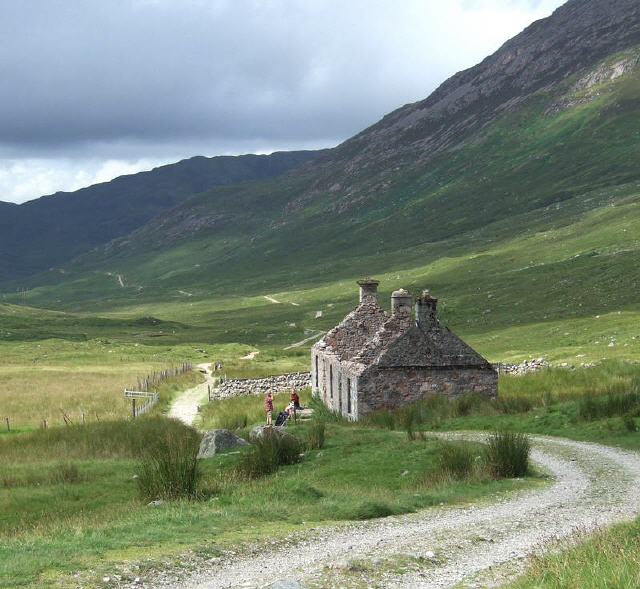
[[301, 343], [477, 545], [185, 405]]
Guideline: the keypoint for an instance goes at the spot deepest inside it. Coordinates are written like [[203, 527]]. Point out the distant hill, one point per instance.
[[513, 191], [54, 229]]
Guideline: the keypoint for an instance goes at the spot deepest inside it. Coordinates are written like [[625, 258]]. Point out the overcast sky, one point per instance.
[[92, 89]]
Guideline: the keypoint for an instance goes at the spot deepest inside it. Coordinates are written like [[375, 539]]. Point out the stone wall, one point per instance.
[[392, 389], [261, 386], [522, 368]]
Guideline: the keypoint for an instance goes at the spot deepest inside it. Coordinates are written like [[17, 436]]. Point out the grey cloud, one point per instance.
[[149, 78]]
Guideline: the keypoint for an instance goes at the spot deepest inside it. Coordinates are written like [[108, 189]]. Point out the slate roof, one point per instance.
[[436, 347], [369, 337], [350, 336]]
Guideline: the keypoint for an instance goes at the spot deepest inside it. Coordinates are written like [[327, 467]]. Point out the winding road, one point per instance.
[[479, 545]]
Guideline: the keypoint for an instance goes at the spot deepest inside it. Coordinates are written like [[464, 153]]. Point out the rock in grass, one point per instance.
[[261, 431], [217, 441]]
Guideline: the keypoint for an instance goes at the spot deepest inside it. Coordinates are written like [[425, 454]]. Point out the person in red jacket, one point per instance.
[[268, 407], [295, 399]]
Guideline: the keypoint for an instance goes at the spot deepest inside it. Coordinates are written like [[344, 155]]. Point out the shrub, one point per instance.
[[268, 453], [316, 435], [507, 454], [456, 459], [169, 468]]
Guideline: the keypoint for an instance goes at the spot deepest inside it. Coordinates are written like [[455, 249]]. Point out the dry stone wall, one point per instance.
[[261, 386]]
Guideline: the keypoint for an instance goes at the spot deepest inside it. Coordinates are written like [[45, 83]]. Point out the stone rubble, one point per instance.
[[523, 368]]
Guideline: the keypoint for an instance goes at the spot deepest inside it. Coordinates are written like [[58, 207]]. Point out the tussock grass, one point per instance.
[[268, 453], [316, 432], [169, 468], [507, 454]]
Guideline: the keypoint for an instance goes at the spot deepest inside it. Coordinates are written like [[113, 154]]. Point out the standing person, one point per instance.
[[295, 399], [268, 407]]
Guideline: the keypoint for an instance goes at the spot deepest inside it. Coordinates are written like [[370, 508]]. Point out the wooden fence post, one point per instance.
[[8, 426], [133, 407]]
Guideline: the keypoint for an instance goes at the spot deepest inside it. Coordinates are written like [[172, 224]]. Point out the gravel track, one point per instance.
[[185, 406], [477, 545]]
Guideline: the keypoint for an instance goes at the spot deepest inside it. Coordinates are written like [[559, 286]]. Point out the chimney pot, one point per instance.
[[426, 310], [401, 301], [368, 290]]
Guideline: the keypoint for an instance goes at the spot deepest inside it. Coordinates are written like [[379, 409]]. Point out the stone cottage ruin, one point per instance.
[[373, 360]]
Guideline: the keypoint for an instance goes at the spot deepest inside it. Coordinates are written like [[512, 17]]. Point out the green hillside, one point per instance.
[[54, 229], [513, 193], [534, 220]]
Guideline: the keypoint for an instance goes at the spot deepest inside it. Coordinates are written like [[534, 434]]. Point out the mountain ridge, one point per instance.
[[55, 228]]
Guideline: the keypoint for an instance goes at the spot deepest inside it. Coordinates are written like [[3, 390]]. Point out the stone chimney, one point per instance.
[[426, 316], [368, 290], [401, 302]]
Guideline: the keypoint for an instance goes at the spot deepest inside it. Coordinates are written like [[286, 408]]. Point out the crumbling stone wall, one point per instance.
[[261, 386], [392, 389]]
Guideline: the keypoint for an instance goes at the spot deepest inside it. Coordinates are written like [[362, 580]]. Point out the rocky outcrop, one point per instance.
[[261, 386], [217, 441]]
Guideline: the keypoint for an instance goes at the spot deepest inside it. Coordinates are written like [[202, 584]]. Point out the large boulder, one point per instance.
[[262, 431], [217, 441]]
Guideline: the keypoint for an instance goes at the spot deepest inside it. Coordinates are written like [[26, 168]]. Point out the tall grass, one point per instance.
[[610, 405], [457, 460], [169, 468], [507, 454], [105, 439], [316, 431], [269, 453]]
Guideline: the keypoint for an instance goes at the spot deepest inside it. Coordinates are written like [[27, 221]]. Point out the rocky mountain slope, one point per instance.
[[54, 229]]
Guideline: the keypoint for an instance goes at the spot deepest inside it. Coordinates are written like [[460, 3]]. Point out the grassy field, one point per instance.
[[69, 502], [610, 560]]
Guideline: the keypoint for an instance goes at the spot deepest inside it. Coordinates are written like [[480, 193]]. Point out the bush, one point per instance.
[[316, 435], [457, 459], [169, 468], [269, 452], [507, 454]]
